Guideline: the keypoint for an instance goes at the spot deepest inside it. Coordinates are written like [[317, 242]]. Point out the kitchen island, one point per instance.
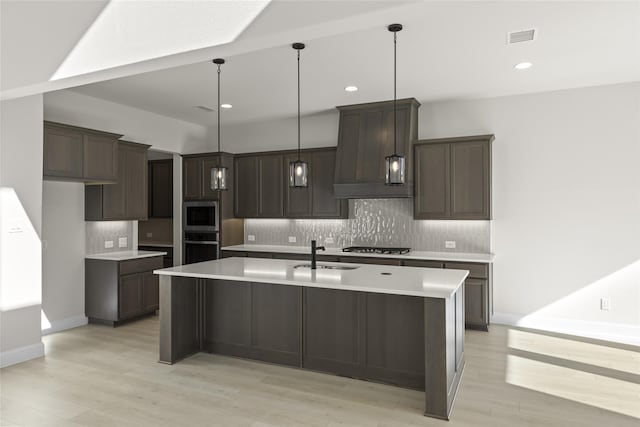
[[396, 325]]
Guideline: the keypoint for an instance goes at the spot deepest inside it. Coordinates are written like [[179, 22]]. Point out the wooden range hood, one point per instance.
[[365, 138]]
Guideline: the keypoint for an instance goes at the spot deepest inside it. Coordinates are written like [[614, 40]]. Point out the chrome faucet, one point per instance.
[[314, 249]]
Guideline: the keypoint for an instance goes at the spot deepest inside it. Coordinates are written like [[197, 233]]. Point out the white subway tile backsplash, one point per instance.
[[374, 222]]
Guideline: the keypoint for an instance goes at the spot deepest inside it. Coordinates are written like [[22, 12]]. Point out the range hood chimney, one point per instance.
[[365, 138]]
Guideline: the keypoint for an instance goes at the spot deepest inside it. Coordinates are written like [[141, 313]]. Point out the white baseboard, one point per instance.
[[615, 332], [21, 354], [64, 324]]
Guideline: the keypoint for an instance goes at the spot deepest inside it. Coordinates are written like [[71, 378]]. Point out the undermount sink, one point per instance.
[[326, 267]]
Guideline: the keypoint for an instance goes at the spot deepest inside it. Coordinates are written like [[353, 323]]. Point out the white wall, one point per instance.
[[63, 235], [566, 192], [162, 133], [20, 229]]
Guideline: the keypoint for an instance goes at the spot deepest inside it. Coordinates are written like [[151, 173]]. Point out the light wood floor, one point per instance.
[[100, 376]]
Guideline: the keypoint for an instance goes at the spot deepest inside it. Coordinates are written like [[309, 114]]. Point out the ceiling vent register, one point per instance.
[[521, 36]]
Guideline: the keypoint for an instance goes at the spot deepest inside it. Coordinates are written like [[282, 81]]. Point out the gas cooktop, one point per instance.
[[376, 250]]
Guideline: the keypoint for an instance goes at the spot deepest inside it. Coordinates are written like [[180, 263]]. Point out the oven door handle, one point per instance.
[[201, 242]]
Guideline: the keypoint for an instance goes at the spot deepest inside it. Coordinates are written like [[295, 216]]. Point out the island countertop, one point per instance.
[[412, 281]]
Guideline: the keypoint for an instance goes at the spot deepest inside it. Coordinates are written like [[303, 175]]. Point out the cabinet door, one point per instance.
[[324, 203], [394, 339], [276, 322], [150, 291], [297, 201], [470, 180], [62, 156], [331, 331], [100, 158], [270, 186], [113, 195], [160, 189], [475, 302], [136, 182], [192, 177], [246, 187], [130, 295], [432, 181]]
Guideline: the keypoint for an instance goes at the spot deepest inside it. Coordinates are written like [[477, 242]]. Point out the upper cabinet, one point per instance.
[[317, 200], [127, 199], [160, 188], [365, 138], [196, 175], [262, 186], [453, 178], [76, 154]]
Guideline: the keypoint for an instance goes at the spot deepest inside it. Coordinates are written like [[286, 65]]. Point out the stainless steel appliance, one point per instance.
[[200, 216], [200, 232], [376, 250]]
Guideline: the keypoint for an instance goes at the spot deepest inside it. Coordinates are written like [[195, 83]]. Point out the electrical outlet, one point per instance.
[[122, 242], [292, 239], [108, 244], [450, 244], [251, 238], [149, 235], [605, 303], [329, 241]]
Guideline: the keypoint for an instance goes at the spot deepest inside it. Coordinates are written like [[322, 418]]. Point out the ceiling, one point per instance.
[[447, 50]]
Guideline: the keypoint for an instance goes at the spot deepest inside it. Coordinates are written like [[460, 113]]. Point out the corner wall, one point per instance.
[[20, 229]]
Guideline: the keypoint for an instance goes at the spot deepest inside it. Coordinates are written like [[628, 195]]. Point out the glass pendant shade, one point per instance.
[[298, 173], [394, 165], [219, 178]]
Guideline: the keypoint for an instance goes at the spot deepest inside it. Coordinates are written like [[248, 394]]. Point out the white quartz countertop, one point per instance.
[[413, 281], [125, 255], [419, 255]]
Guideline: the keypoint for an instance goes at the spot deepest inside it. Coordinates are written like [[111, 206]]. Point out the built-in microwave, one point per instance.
[[200, 216]]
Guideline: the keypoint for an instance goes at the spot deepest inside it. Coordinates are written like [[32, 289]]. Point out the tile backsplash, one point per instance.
[[99, 232], [374, 222]]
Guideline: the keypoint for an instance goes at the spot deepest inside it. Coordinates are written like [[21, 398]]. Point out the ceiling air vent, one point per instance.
[[205, 108], [521, 36]]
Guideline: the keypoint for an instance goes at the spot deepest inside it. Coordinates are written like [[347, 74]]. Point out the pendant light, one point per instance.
[[219, 172], [394, 164], [298, 169]]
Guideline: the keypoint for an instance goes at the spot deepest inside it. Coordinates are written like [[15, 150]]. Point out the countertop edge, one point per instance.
[[109, 257], [484, 258]]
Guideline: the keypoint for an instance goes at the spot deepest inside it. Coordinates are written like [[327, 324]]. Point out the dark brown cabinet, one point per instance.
[[365, 138], [259, 186], [76, 154], [120, 290], [477, 293], [127, 199], [317, 200], [160, 188], [196, 176], [453, 178]]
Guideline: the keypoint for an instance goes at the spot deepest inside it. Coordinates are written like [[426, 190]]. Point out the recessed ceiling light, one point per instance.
[[351, 88], [523, 65], [226, 105]]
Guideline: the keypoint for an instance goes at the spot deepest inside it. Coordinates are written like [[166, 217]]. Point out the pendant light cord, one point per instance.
[[298, 104], [218, 108], [395, 132]]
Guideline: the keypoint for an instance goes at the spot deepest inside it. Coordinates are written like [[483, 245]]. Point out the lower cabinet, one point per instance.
[[120, 290]]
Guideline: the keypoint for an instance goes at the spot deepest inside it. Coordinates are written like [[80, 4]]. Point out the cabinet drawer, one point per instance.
[[371, 260], [478, 271], [421, 263], [140, 265], [259, 254]]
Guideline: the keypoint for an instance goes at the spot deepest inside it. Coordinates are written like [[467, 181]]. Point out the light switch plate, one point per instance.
[[108, 244], [292, 239], [450, 244], [251, 238], [329, 241], [122, 242], [605, 303]]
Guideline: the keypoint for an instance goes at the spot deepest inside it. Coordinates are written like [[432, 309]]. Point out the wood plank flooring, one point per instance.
[[100, 376]]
